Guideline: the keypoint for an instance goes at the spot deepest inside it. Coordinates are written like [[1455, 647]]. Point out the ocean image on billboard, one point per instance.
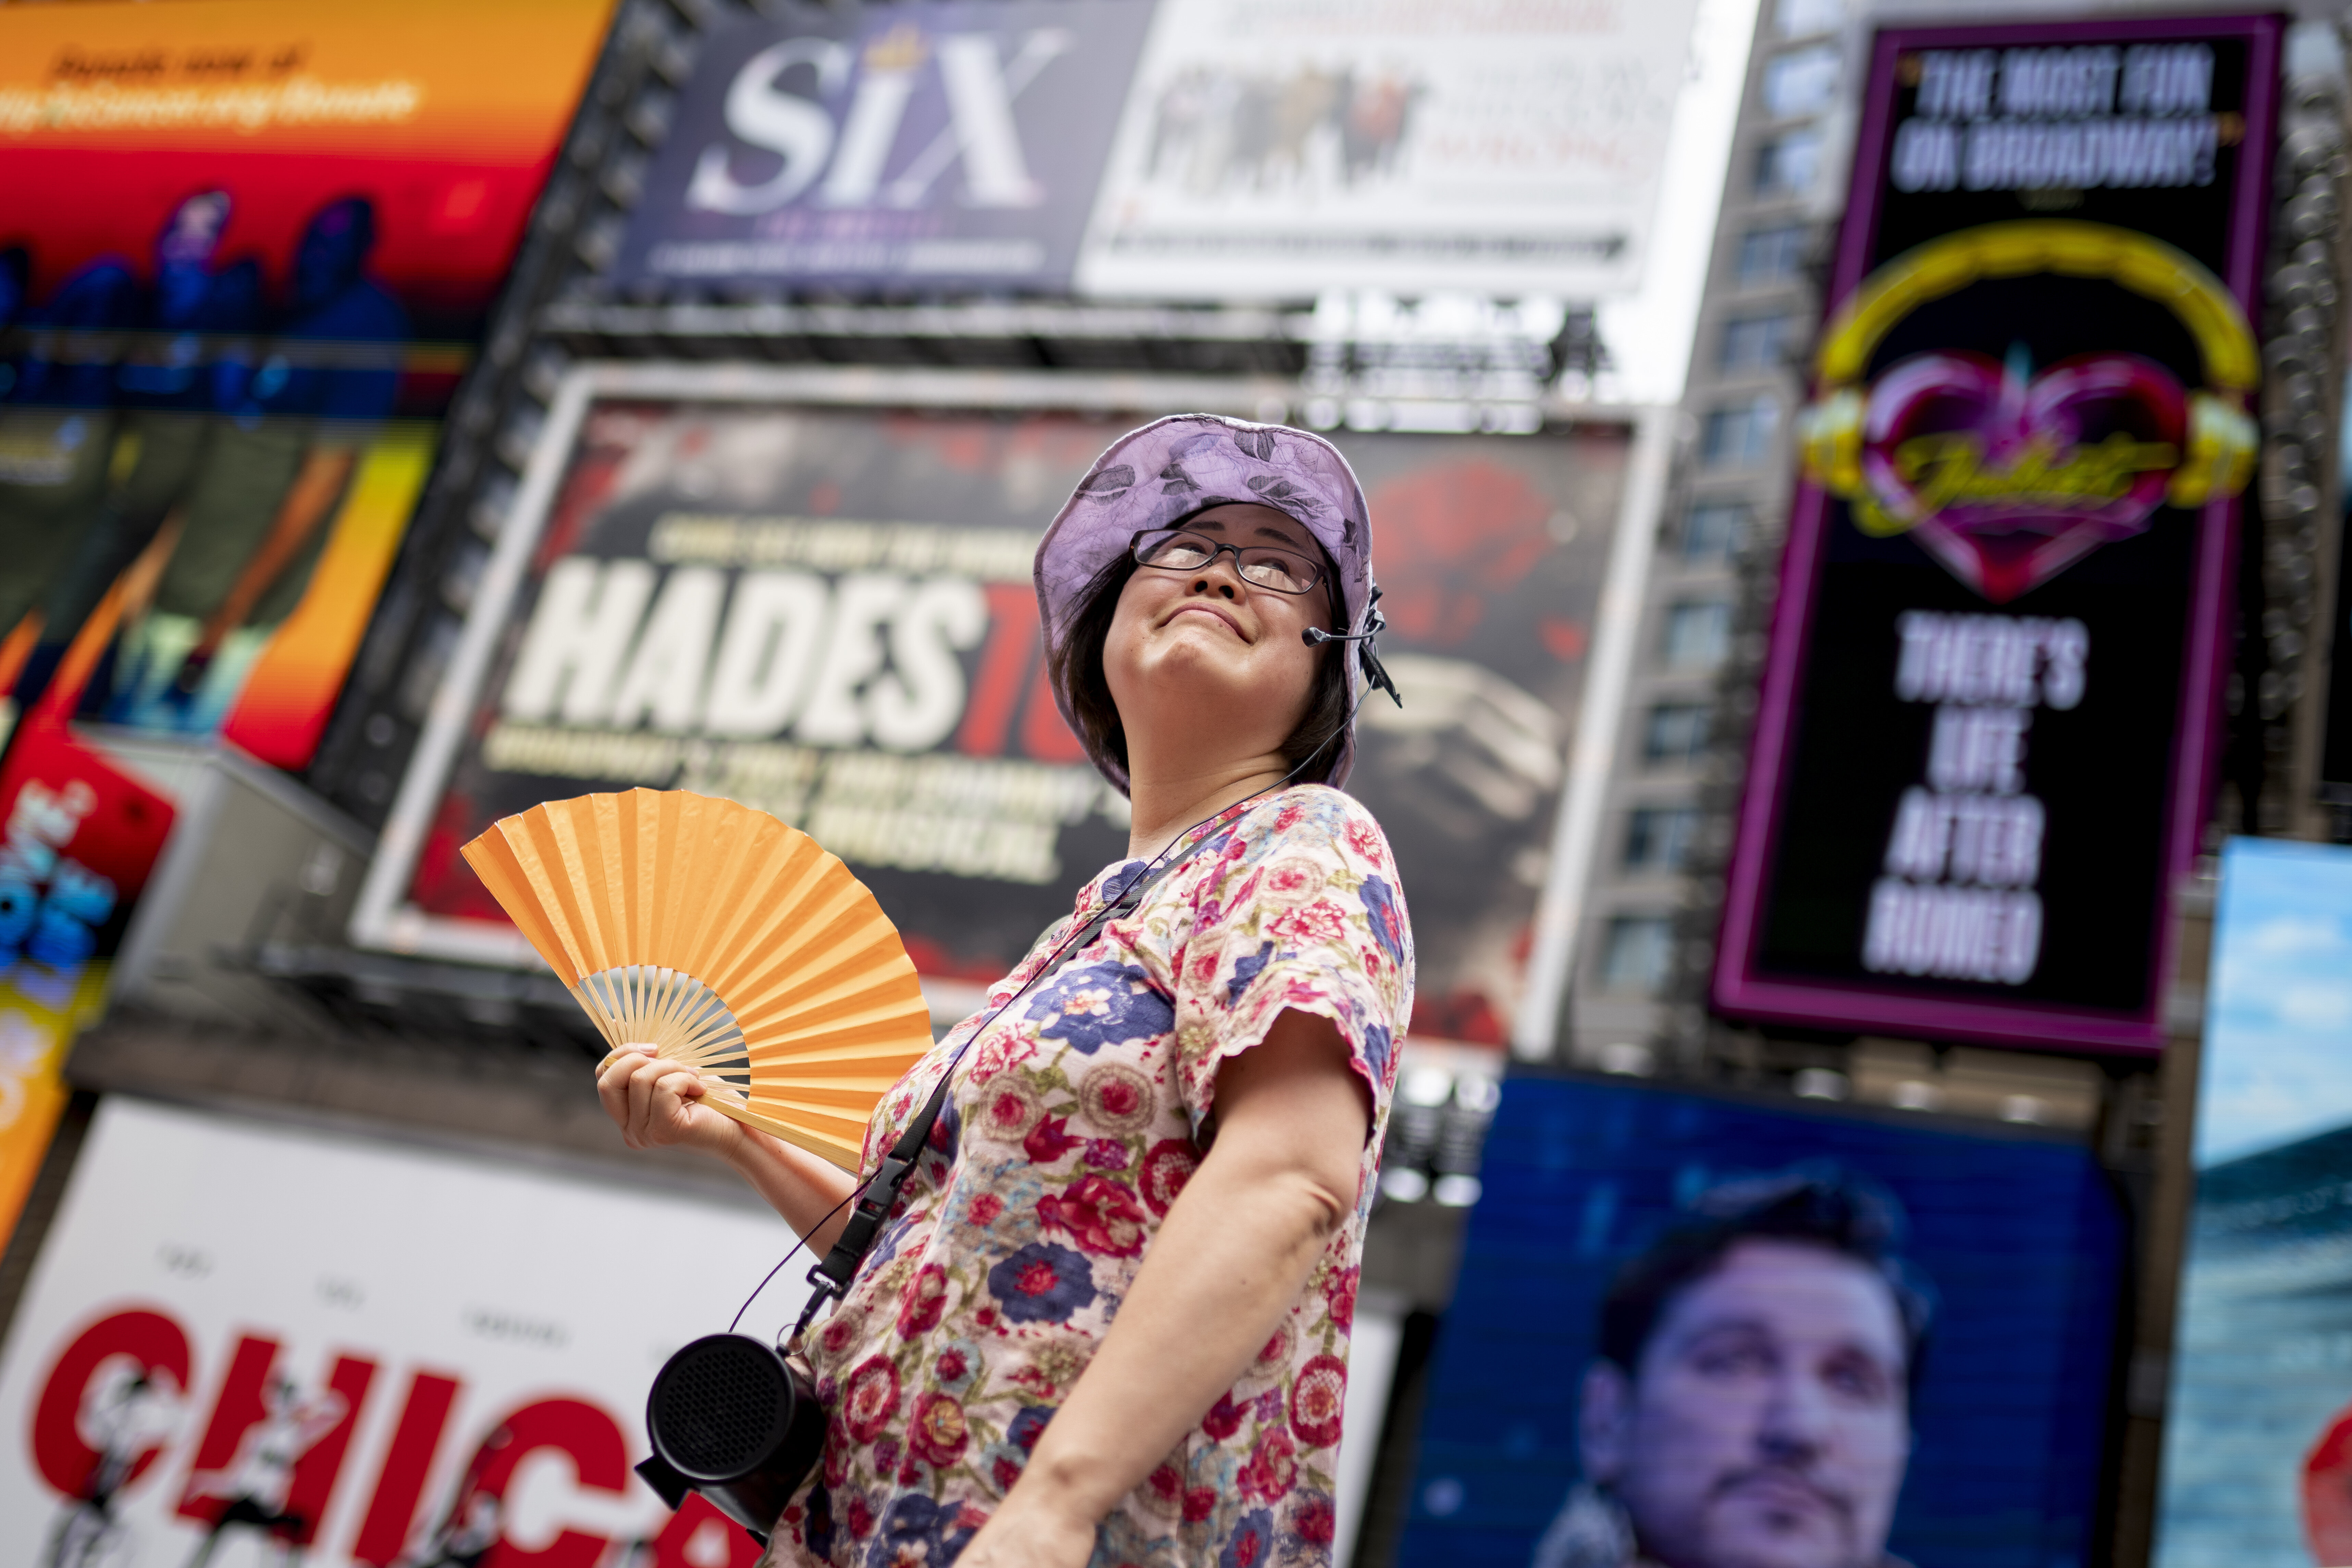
[[2258, 1462]]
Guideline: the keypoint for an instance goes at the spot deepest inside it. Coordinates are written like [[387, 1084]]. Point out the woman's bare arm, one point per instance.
[[657, 1104], [1228, 1262]]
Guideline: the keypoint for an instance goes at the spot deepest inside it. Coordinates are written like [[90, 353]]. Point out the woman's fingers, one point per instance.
[[612, 1079], [627, 1083], [643, 1085], [653, 1100]]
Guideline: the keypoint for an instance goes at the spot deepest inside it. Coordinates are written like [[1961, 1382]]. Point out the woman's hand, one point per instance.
[[1035, 1529], [656, 1103]]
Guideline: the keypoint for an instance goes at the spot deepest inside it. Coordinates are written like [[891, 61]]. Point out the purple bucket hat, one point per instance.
[[1185, 463]]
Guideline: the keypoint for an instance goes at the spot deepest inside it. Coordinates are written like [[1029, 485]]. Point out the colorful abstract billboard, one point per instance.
[[739, 583], [1994, 694], [920, 148], [2258, 1432], [397, 1356], [1720, 1331], [248, 250], [79, 839]]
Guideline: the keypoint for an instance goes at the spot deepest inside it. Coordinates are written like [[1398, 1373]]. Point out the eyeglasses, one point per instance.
[[1261, 565]]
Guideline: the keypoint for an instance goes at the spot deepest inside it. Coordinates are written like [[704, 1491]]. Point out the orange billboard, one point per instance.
[[249, 251]]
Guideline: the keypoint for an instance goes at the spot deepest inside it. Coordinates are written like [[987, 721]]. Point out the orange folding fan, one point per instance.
[[724, 940]]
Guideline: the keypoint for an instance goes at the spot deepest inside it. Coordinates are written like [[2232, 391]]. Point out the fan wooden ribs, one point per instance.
[[725, 940]]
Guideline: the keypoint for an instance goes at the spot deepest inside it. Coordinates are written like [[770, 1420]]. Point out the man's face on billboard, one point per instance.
[[1768, 1423]]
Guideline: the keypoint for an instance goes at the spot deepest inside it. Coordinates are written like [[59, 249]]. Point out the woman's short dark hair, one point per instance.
[[1076, 663]]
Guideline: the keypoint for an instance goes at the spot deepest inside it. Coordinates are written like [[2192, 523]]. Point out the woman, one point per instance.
[[1176, 1127]]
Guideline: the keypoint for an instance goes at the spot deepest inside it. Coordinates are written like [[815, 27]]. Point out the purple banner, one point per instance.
[[921, 147], [1993, 691]]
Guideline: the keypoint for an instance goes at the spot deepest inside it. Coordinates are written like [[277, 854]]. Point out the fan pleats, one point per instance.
[[724, 940]]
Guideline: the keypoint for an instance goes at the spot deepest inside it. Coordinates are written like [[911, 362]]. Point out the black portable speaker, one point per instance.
[[731, 1418]]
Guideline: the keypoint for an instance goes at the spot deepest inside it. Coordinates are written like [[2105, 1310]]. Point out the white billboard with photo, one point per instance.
[[246, 1342], [370, 1352], [1277, 149]]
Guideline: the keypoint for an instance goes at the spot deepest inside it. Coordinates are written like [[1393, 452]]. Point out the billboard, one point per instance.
[[925, 148], [2258, 1432], [272, 1338], [248, 250], [1715, 1332], [1275, 149], [2335, 735], [1992, 692], [79, 837], [812, 592]]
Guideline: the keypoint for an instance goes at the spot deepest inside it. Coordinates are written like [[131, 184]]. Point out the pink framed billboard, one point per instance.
[[1993, 693]]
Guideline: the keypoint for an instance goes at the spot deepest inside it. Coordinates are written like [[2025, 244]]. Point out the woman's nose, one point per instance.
[[1219, 584]]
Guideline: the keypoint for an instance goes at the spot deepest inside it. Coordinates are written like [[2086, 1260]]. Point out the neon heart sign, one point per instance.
[[2005, 475]]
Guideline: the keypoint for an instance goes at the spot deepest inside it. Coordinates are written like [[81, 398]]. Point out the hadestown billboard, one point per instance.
[[810, 592]]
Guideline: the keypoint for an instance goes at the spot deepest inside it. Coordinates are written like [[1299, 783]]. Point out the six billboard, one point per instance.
[[1276, 149], [1706, 1329], [888, 146], [2258, 1431], [248, 250], [1990, 707], [812, 592]]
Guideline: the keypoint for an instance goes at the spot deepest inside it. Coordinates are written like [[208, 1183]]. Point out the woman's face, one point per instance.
[[1205, 644]]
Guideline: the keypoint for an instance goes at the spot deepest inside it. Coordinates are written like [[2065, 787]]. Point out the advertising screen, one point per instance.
[[743, 583], [928, 148], [1717, 1331], [248, 247], [1275, 149], [79, 837], [1992, 699], [2258, 1432], [371, 1353]]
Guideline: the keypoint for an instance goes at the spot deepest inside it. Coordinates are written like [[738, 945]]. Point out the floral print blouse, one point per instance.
[[1076, 1119]]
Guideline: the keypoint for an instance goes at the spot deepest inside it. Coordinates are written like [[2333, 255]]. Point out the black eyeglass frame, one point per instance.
[[1316, 575]]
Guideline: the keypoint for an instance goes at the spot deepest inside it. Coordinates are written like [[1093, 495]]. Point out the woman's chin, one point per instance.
[[1189, 649]]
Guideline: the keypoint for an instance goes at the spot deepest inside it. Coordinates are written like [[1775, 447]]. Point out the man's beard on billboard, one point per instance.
[[1742, 1484]]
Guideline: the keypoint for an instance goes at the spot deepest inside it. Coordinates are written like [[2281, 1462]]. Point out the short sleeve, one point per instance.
[[1298, 910]]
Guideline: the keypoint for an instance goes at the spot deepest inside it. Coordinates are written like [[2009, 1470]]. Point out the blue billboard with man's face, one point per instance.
[[1722, 1332]]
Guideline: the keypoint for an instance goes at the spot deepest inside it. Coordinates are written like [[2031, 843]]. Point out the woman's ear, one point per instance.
[[1604, 1422]]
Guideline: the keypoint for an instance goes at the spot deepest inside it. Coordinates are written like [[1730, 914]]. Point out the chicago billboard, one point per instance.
[[268, 1339], [932, 148], [248, 250], [1717, 1331], [1993, 691], [811, 592]]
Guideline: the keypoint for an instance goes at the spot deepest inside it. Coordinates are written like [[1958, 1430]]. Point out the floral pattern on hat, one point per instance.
[[1186, 463]]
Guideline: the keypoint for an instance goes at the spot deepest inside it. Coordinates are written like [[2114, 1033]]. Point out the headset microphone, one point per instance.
[[1368, 659]]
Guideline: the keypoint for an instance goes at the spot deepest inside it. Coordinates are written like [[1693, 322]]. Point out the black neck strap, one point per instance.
[[831, 1278]]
